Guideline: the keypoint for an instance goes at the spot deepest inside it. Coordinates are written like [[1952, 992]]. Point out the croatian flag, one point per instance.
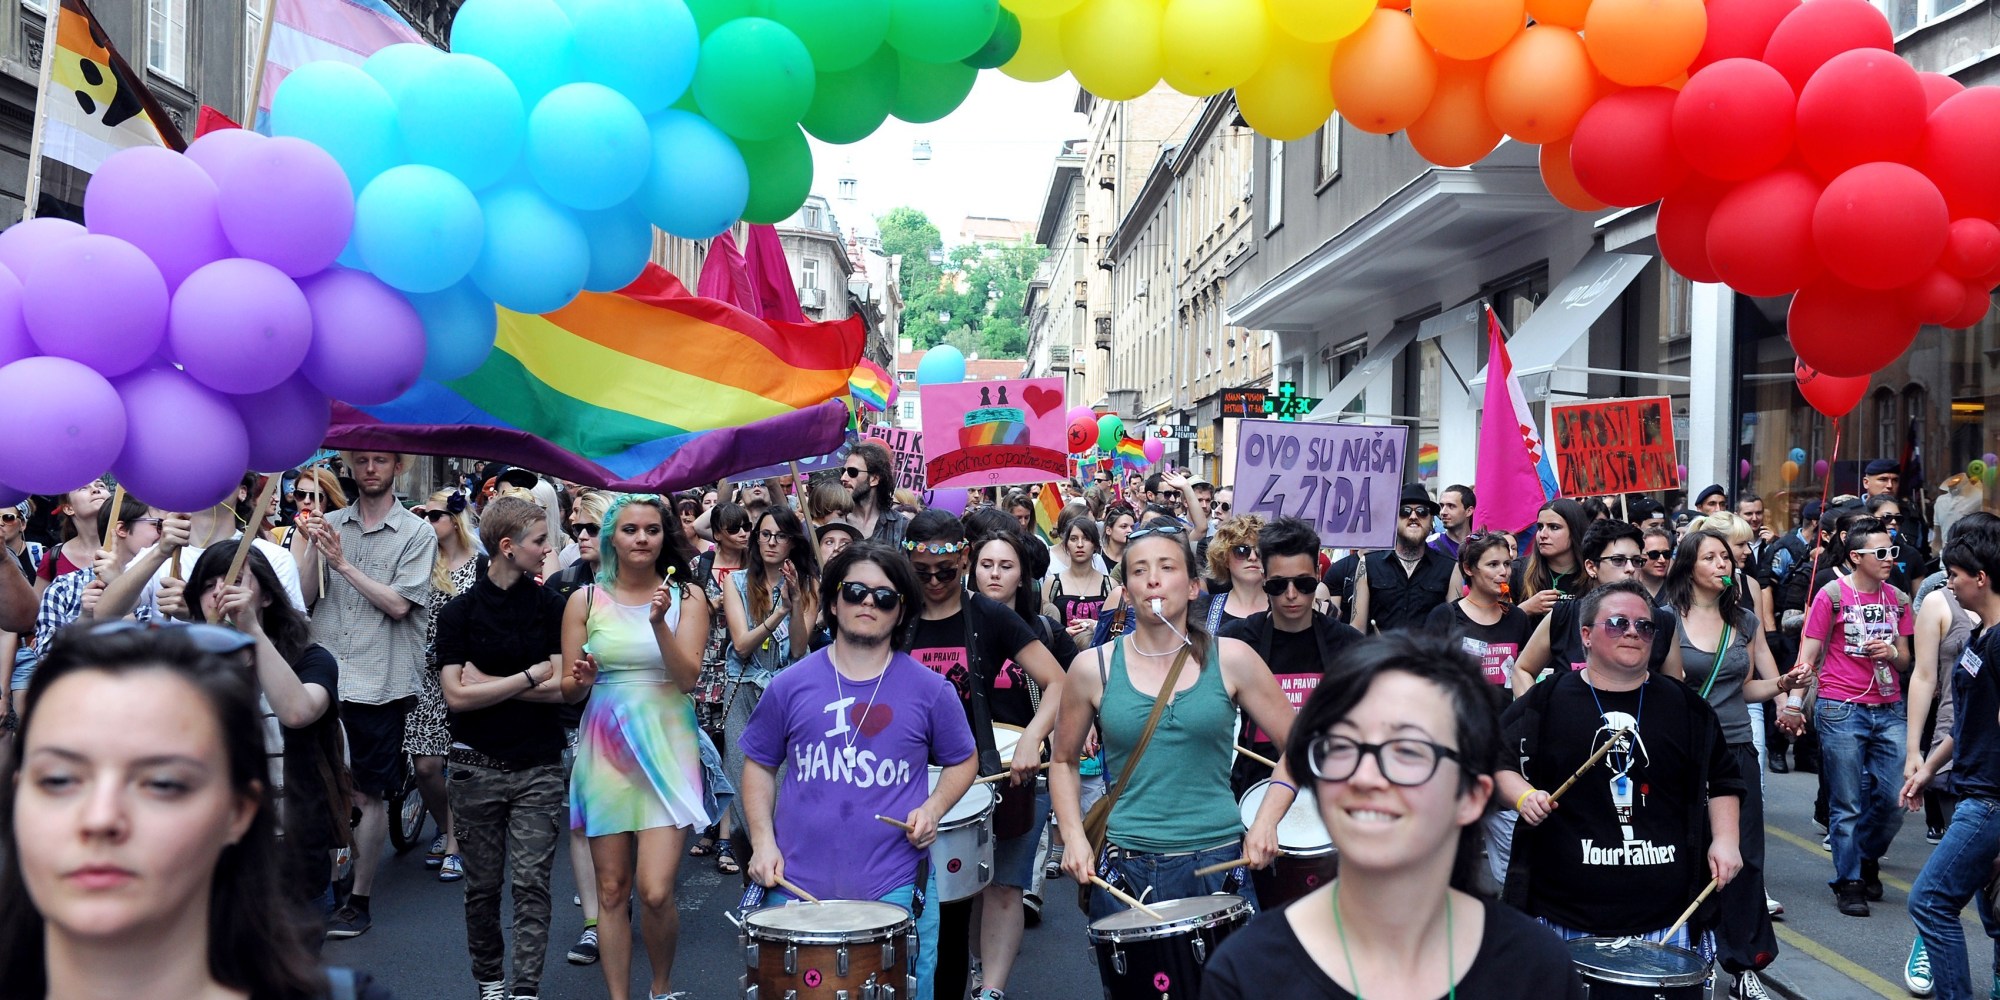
[[304, 31], [1513, 474]]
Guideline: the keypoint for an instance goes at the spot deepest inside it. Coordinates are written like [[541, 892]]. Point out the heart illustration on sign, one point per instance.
[[870, 719], [1042, 399]]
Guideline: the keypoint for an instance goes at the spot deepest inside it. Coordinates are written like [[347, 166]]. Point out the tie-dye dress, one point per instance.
[[638, 762]]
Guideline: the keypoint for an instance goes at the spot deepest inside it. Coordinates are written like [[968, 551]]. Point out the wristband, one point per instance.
[[1287, 784], [531, 680], [1524, 798]]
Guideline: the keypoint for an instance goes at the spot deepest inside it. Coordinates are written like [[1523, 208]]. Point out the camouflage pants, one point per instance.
[[511, 821]]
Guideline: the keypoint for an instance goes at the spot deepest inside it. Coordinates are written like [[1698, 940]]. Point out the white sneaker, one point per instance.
[[495, 990], [1749, 987], [1772, 906]]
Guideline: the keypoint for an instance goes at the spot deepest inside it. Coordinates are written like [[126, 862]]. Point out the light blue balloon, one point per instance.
[[396, 67], [462, 115], [621, 243], [698, 184], [608, 32], [418, 229], [942, 365], [342, 110], [588, 147], [1798, 455], [536, 255], [459, 326], [530, 40]]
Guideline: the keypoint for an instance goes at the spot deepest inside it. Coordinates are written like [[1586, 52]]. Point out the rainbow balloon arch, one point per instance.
[[226, 295]]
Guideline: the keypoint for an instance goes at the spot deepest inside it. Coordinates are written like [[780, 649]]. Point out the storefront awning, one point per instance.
[[1381, 357], [1572, 307]]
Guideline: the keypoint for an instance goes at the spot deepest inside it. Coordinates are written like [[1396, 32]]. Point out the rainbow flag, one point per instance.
[[649, 389], [1131, 453], [1427, 461], [872, 387], [1048, 508]]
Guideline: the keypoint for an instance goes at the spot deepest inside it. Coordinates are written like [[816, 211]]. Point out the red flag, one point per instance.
[[211, 120]]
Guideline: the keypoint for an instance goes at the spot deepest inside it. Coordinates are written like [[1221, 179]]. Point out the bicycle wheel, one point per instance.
[[406, 811]]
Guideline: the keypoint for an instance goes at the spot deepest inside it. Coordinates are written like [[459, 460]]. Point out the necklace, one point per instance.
[[849, 734], [1132, 642], [1450, 962]]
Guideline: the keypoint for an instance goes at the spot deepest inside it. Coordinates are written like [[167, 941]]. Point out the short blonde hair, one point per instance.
[[1729, 525], [588, 506], [1240, 530], [509, 516]]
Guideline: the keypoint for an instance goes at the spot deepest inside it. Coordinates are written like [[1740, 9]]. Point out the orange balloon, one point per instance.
[[1383, 75], [1468, 29], [1644, 43], [1540, 85], [1455, 130], [1561, 13], [1560, 179], [1393, 4]]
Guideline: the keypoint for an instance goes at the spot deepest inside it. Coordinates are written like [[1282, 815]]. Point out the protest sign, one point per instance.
[[995, 433], [1614, 446], [1344, 478], [908, 448]]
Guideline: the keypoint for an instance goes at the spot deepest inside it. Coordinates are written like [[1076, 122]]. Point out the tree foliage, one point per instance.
[[971, 296]]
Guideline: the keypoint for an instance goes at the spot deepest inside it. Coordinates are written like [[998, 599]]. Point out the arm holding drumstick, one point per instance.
[[1535, 805]]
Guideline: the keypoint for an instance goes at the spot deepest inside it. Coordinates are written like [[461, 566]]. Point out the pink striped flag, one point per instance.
[[1507, 475], [304, 31]]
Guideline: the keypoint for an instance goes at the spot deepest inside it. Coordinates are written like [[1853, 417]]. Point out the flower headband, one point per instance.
[[934, 548]]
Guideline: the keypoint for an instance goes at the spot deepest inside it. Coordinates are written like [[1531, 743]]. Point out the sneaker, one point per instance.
[[989, 995], [1773, 907], [1850, 898], [584, 951], [576, 899], [453, 868], [675, 995], [495, 990], [1053, 867], [1871, 879], [436, 855], [1917, 971], [349, 922], [1826, 843], [1933, 835], [1749, 987], [1031, 909]]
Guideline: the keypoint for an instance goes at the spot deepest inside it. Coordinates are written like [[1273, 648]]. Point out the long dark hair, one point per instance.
[[757, 582], [1679, 588], [1537, 575], [287, 628], [1027, 602], [256, 943]]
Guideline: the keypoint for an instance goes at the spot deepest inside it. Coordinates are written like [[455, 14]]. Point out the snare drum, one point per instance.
[[1632, 969], [1308, 858], [1015, 815], [963, 852], [1140, 958], [825, 951]]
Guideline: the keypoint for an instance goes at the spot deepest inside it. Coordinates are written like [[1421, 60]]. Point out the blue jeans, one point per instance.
[[1957, 869], [1154, 877], [1858, 742], [925, 967]]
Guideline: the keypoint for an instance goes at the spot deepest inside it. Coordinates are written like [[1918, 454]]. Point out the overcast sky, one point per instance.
[[991, 157]]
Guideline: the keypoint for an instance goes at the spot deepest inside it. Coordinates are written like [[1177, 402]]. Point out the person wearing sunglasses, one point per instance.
[[426, 736], [1398, 587], [1640, 834], [1856, 641], [1905, 533], [859, 722], [1611, 554], [1235, 572], [1400, 745], [1298, 642], [869, 472], [587, 510]]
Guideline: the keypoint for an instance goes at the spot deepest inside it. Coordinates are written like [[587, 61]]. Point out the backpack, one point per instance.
[[1791, 591]]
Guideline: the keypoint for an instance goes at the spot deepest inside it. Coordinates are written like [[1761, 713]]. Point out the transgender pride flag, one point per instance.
[[304, 31]]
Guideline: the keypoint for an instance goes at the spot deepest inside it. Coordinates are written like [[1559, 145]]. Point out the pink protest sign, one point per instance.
[[996, 433]]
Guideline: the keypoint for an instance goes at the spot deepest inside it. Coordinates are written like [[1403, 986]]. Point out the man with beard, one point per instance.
[[1398, 588], [870, 471]]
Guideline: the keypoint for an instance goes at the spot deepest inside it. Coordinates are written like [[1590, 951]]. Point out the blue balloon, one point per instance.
[[621, 243], [530, 40], [418, 229], [698, 184], [462, 115], [588, 147], [1798, 455], [344, 111], [536, 255], [396, 66], [459, 325], [608, 32], [942, 365]]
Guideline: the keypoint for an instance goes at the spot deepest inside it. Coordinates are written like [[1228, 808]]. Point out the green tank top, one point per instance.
[[1179, 799]]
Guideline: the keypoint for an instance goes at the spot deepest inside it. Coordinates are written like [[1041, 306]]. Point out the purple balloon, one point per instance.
[[65, 424], [222, 150], [185, 447], [1743, 469], [239, 326], [951, 501], [368, 342], [161, 202], [1077, 413], [1819, 468], [287, 203], [98, 300], [15, 343], [27, 242], [11, 497], [286, 424]]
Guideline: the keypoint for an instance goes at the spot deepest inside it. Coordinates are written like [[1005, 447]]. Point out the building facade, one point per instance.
[[1058, 302]]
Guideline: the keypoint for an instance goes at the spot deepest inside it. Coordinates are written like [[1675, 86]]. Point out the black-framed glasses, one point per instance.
[[1416, 510], [213, 639], [771, 536], [885, 598], [1623, 562], [434, 516], [1405, 762], [734, 529], [1621, 625], [1887, 553], [1659, 555], [938, 575], [849, 472], [1306, 584], [1168, 528], [154, 521], [1223, 507], [583, 528], [1242, 551]]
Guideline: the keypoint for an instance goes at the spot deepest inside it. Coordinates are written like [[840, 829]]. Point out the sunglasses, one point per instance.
[[885, 598], [213, 639], [939, 575], [1223, 507], [1275, 585], [1892, 519], [1156, 529], [1621, 625], [849, 473], [9, 517], [1623, 562], [1242, 551], [306, 496], [585, 528], [434, 516], [1886, 553], [1659, 555], [1416, 510], [154, 521]]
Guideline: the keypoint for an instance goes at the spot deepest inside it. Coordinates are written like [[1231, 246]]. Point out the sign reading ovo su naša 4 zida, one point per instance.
[[1344, 478]]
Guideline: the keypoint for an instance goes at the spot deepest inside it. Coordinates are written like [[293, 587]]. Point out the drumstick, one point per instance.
[[1123, 898], [796, 891], [1689, 912], [1619, 737], [897, 823], [1258, 757], [1219, 867], [1004, 775]]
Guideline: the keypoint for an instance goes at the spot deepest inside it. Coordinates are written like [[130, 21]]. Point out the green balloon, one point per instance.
[[712, 14], [941, 30], [1109, 430], [1005, 41], [851, 104], [755, 78], [781, 174], [839, 35], [927, 91]]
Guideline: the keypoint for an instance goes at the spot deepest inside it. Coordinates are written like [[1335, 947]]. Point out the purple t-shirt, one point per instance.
[[854, 750]]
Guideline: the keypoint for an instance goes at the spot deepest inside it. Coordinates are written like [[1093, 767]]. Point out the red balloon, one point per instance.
[[1820, 30], [1937, 87], [1961, 147], [1681, 229], [1623, 150], [1847, 331], [1760, 237], [1973, 248], [1829, 394], [1935, 298], [1880, 226], [1082, 435], [1862, 106], [1739, 29], [1733, 120], [1978, 299]]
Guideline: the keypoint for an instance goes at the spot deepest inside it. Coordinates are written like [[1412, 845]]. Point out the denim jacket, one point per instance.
[[774, 655]]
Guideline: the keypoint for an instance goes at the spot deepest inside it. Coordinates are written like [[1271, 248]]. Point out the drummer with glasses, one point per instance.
[[1642, 830], [1401, 745], [856, 726]]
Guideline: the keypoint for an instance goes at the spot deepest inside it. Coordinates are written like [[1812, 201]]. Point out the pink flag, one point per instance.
[[1507, 477], [303, 31], [725, 276], [771, 277]]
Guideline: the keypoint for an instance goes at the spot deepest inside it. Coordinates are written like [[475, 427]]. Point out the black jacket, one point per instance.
[[1399, 601], [1334, 636]]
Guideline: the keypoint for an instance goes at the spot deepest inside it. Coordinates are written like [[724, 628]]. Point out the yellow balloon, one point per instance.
[[1040, 56], [1291, 96], [1113, 47], [1213, 45], [1040, 8], [1320, 20]]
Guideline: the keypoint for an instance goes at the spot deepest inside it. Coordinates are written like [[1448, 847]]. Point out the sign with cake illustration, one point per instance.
[[997, 433]]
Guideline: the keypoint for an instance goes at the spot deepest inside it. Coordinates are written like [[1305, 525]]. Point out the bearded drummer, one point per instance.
[[1639, 834], [855, 727]]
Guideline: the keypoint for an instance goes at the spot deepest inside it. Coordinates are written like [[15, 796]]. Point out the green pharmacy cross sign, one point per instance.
[[1288, 404]]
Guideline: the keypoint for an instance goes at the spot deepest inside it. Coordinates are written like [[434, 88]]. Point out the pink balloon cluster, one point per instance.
[[1804, 156], [197, 328]]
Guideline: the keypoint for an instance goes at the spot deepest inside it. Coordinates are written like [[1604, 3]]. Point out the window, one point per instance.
[[253, 33], [809, 273], [1329, 151], [1886, 409], [167, 38], [38, 6], [1274, 187], [849, 188], [814, 218]]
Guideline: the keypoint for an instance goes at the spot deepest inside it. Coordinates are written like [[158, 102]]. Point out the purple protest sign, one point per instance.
[[1344, 478]]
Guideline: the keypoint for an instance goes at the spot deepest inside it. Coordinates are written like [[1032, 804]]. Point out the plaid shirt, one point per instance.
[[380, 657], [62, 604]]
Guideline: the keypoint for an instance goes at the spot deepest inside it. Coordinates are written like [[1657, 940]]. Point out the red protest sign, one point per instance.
[[1614, 446]]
